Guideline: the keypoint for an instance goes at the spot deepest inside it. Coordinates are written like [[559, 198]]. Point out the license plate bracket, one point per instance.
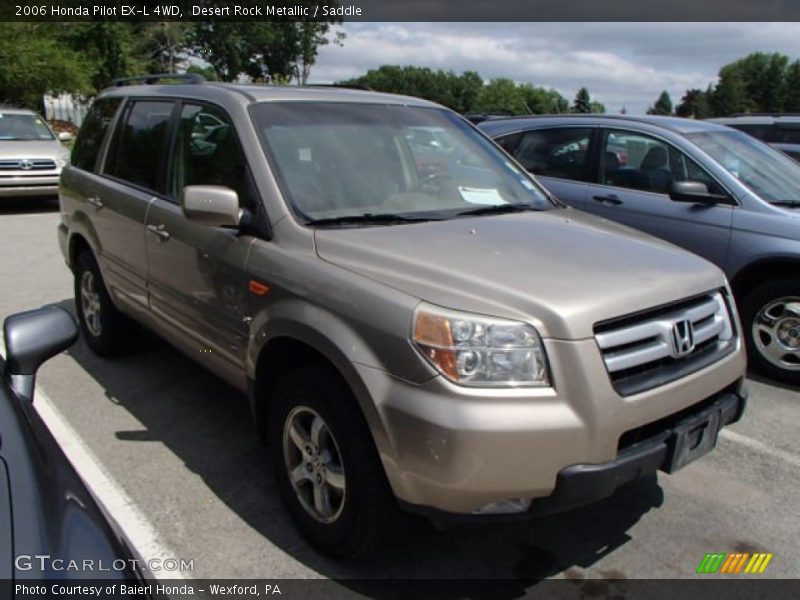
[[693, 438]]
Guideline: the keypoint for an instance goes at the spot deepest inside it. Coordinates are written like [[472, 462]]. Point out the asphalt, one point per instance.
[[179, 442]]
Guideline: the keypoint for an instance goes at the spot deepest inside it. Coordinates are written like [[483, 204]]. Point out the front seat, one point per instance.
[[655, 172]]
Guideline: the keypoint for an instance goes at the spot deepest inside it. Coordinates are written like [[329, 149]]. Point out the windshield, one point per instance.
[[337, 161], [23, 127], [769, 173]]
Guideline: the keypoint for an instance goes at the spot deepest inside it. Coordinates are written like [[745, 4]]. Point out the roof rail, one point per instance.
[[765, 114], [346, 86], [187, 78]]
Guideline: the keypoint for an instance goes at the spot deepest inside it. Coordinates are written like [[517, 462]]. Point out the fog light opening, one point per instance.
[[508, 506]]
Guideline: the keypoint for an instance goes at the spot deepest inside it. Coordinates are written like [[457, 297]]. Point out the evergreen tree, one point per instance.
[[583, 102], [663, 105]]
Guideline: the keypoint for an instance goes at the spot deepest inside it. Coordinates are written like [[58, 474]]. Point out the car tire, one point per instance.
[[340, 498], [106, 330], [771, 320]]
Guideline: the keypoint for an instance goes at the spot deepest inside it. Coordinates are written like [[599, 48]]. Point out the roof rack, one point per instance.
[[186, 78]]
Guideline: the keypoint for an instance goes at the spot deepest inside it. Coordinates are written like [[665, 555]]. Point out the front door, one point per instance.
[[197, 285], [636, 172]]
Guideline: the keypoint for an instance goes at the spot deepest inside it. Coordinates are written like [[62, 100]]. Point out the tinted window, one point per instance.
[[555, 152], [93, 131], [789, 135], [640, 162], [137, 147], [762, 132], [207, 152]]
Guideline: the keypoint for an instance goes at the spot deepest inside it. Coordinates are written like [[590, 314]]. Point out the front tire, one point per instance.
[[771, 320], [326, 465], [106, 330]]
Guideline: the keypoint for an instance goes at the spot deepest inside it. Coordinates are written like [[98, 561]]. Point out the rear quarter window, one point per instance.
[[93, 132]]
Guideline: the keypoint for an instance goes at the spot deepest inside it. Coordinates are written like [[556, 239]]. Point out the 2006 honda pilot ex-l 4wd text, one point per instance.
[[415, 323]]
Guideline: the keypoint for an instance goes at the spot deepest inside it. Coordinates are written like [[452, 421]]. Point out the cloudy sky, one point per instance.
[[622, 64]]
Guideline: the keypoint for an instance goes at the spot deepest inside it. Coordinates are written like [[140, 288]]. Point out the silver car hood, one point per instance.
[[32, 149], [561, 270]]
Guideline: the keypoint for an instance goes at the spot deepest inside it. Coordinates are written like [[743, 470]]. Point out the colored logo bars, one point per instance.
[[738, 562]]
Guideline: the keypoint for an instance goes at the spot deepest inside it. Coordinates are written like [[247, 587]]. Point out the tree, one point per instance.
[[597, 107], [792, 88], [276, 51], [33, 62], [694, 105], [502, 96], [162, 45], [663, 105], [543, 101], [108, 50], [583, 102], [729, 95]]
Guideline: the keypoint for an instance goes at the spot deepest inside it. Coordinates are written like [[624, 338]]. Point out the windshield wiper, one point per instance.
[[497, 209], [790, 203], [374, 218]]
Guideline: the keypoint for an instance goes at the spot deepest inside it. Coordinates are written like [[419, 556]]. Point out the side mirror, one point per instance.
[[695, 192], [31, 338], [65, 136], [211, 205]]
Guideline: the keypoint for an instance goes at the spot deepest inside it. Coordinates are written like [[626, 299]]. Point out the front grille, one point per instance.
[[27, 164], [649, 349]]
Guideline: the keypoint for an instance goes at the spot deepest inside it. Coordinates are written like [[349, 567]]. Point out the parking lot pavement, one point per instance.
[[179, 444]]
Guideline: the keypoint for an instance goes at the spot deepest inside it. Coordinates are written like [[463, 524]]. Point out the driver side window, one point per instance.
[[640, 162], [207, 152]]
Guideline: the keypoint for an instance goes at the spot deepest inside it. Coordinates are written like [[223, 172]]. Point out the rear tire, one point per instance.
[[106, 330], [326, 464], [771, 321]]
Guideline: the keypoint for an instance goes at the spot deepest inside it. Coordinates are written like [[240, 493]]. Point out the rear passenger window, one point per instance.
[[555, 152], [93, 132], [137, 148]]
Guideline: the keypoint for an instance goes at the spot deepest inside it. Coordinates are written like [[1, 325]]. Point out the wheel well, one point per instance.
[[77, 245], [278, 357], [757, 273]]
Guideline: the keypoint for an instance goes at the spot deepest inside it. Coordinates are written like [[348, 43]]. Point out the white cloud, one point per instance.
[[621, 63]]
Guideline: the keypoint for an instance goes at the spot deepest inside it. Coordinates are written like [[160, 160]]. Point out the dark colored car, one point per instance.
[[780, 131], [48, 518], [711, 189]]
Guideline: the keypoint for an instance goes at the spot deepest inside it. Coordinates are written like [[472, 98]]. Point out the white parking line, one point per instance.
[[738, 438], [137, 529]]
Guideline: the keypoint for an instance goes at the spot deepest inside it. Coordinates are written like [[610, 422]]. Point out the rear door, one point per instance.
[[635, 174], [131, 177], [196, 280], [558, 156]]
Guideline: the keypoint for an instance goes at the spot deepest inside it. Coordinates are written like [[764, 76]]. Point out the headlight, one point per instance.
[[480, 351]]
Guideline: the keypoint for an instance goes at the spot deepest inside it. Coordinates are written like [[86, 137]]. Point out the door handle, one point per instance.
[[159, 232], [95, 202], [610, 199]]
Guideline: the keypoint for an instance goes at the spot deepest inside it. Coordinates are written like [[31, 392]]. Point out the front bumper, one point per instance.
[[12, 187], [450, 449]]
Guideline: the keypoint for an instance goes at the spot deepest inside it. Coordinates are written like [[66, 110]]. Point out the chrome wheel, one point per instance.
[[90, 304], [314, 464], [776, 332]]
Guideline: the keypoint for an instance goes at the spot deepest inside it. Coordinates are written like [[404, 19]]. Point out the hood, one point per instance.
[[32, 149], [561, 270]]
